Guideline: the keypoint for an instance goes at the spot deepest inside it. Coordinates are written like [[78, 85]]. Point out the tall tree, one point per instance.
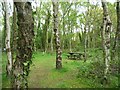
[[118, 24], [45, 30], [86, 30], [14, 34], [56, 34], [118, 31], [7, 40], [107, 26], [65, 12], [37, 26], [69, 28], [24, 44], [4, 31], [115, 44]]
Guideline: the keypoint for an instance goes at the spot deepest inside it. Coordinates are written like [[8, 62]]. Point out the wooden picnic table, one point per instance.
[[75, 55]]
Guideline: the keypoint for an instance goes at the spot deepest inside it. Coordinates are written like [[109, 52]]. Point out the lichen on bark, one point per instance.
[[24, 44]]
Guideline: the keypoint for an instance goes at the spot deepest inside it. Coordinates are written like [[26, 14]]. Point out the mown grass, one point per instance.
[[44, 75], [5, 80]]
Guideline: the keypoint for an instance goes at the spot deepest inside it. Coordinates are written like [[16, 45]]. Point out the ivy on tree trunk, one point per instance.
[[24, 44]]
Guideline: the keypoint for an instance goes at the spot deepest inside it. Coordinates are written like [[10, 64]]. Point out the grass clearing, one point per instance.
[[44, 75]]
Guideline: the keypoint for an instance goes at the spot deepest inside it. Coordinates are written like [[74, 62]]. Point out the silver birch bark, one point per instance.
[[56, 34], [7, 40], [107, 26]]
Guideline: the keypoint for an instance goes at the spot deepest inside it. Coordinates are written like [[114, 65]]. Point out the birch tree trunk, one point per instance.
[[25, 44], [107, 26], [56, 34], [7, 40], [4, 33]]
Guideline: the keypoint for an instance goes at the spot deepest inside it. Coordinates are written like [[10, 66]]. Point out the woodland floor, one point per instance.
[[44, 75]]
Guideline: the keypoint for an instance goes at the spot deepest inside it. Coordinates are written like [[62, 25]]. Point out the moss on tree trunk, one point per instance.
[[24, 44]]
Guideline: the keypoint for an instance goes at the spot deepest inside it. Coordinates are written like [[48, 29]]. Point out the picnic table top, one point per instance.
[[75, 53]]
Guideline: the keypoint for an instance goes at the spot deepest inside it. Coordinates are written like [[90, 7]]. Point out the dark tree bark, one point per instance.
[[118, 39], [56, 34], [24, 44], [14, 34], [116, 34], [85, 45], [118, 24]]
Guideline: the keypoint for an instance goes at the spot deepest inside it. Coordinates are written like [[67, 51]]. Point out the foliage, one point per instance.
[[95, 70]]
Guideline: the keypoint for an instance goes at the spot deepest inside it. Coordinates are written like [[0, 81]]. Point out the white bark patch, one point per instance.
[[7, 40]]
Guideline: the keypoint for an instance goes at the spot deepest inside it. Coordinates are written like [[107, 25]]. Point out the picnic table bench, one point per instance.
[[75, 55]]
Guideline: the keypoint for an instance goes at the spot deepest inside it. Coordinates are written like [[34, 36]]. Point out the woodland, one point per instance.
[[60, 44]]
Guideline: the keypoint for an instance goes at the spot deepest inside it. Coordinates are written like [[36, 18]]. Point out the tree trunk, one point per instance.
[[14, 34], [118, 26], [88, 35], [69, 31], [51, 42], [38, 29], [7, 41], [118, 36], [118, 39], [86, 30], [70, 42], [4, 32], [106, 38], [114, 48], [117, 31], [85, 45], [24, 44], [63, 27], [56, 34], [80, 37], [45, 31]]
